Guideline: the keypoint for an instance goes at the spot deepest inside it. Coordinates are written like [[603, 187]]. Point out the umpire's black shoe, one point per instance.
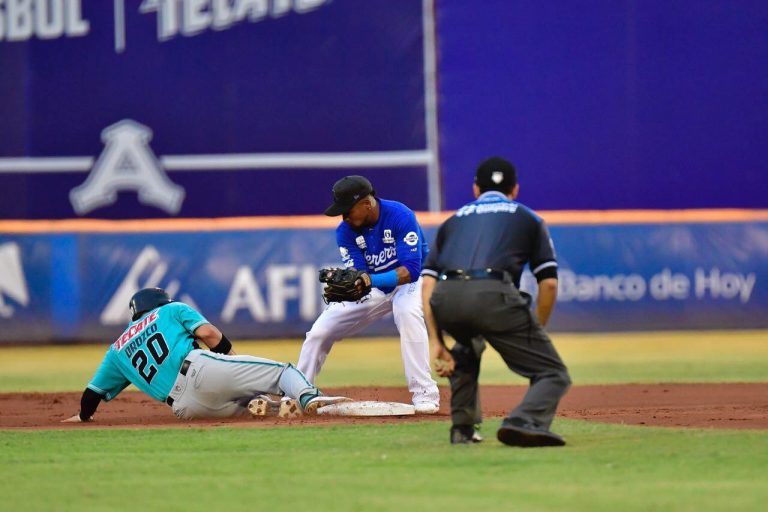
[[465, 434], [518, 432]]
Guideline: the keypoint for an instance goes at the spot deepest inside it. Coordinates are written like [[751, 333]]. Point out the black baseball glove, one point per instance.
[[344, 284]]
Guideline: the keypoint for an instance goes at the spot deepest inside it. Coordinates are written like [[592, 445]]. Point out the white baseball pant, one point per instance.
[[220, 386], [343, 319]]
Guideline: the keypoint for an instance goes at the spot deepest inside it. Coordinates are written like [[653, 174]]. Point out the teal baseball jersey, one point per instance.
[[149, 353]]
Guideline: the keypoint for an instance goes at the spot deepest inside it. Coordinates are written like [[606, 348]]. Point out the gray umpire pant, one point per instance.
[[496, 311]]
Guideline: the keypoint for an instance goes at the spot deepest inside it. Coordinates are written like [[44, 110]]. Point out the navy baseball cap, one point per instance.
[[496, 173], [347, 192]]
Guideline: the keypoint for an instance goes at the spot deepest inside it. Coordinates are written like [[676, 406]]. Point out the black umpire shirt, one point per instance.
[[493, 233]]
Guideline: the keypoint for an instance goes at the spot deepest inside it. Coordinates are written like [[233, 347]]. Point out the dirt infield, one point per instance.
[[731, 406]]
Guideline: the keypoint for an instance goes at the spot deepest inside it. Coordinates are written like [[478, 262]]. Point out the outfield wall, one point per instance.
[[203, 108], [257, 277]]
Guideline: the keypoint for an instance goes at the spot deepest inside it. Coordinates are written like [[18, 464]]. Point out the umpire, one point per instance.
[[474, 271]]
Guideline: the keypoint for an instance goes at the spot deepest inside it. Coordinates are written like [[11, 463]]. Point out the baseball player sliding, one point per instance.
[[158, 353], [382, 248]]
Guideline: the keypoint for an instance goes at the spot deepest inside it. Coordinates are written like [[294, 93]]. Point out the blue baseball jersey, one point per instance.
[[149, 353], [395, 240]]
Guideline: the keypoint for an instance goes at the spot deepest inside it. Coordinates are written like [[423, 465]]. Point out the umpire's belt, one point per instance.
[[183, 370], [474, 273]]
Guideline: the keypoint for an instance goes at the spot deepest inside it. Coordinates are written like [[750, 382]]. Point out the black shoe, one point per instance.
[[518, 432], [465, 434]]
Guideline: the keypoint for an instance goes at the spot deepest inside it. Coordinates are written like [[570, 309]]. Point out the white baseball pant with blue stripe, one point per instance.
[[220, 386]]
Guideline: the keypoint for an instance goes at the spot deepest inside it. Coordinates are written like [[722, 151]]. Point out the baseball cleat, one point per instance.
[[426, 408], [313, 404], [517, 432], [263, 405], [289, 408]]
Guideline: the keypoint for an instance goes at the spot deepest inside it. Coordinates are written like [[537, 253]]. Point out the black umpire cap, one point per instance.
[[347, 192], [496, 173]]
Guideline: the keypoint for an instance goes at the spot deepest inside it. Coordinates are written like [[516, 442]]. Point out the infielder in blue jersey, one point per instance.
[[158, 353], [382, 238]]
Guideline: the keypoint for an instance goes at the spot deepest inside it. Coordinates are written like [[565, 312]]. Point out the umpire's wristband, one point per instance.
[[385, 280]]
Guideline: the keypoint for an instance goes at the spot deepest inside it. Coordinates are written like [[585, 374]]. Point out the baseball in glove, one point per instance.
[[344, 284]]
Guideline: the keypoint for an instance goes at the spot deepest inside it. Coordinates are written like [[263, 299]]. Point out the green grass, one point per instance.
[[711, 356], [398, 467], [388, 467]]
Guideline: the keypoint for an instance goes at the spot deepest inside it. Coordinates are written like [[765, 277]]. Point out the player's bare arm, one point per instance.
[[403, 275], [546, 301], [212, 337], [441, 356]]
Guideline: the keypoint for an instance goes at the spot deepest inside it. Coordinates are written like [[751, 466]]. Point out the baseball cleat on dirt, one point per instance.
[[426, 408], [289, 408], [263, 405], [321, 401]]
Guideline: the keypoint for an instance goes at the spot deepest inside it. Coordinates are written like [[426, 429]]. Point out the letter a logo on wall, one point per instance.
[[12, 282], [147, 271], [127, 163]]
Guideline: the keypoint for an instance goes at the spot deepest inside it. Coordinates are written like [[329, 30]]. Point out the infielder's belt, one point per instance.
[[183, 370], [475, 273]]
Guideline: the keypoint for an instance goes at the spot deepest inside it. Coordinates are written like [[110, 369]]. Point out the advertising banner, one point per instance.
[[668, 276], [263, 283]]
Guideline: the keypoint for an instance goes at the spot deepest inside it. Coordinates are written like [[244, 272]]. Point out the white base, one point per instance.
[[367, 408]]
